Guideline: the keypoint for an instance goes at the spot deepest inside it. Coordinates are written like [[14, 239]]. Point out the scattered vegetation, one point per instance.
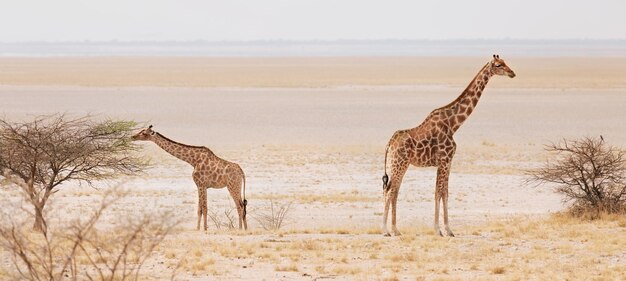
[[274, 216], [225, 221], [48, 151], [588, 172], [290, 267], [84, 250]]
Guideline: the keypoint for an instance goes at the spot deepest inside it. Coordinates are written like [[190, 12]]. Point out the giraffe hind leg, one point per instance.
[[199, 208], [394, 189], [245, 212], [391, 196], [394, 203], [236, 195], [387, 199], [387, 203]]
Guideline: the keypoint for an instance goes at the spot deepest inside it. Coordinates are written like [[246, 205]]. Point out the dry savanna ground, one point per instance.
[[310, 134]]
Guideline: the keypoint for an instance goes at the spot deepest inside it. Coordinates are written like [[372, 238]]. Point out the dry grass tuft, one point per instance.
[[290, 267]]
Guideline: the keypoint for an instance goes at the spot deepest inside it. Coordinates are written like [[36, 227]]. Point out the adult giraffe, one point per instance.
[[431, 144], [209, 171]]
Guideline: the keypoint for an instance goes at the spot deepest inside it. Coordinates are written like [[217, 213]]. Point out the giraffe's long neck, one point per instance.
[[189, 154], [460, 109]]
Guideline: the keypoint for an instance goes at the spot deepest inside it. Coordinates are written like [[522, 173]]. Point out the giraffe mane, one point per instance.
[[173, 141], [466, 88]]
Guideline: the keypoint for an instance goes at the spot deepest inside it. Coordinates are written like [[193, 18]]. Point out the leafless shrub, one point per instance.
[[274, 216], [82, 250], [588, 172], [51, 150], [226, 220]]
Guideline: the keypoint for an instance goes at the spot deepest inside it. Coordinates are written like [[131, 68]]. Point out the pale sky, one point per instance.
[[235, 20]]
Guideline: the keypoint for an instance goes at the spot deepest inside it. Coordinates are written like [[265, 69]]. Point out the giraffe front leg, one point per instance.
[[445, 215], [205, 214], [436, 224], [441, 192], [199, 209], [204, 206]]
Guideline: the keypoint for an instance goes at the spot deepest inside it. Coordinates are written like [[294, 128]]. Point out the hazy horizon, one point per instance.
[[239, 20], [505, 39], [287, 28], [295, 48]]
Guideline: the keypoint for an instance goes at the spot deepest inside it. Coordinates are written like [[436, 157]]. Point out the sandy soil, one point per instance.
[[312, 132], [307, 72]]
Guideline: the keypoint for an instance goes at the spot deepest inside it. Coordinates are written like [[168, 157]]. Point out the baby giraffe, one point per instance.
[[209, 171], [431, 144]]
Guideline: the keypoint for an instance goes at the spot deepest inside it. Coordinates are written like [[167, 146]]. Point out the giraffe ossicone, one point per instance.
[[209, 171], [431, 144]]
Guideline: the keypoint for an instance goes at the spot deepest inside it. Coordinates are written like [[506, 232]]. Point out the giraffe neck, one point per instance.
[[187, 153], [460, 109]]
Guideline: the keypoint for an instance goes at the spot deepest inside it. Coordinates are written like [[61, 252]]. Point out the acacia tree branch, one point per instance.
[[587, 171], [51, 150]]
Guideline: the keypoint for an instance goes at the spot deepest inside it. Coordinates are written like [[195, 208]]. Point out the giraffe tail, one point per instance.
[[385, 176]]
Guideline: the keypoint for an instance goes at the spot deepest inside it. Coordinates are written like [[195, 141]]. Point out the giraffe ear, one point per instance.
[[150, 127]]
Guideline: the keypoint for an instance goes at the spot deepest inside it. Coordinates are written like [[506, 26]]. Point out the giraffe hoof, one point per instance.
[[449, 232], [440, 233], [397, 233], [387, 234]]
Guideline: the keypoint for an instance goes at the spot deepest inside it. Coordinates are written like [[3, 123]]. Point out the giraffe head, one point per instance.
[[499, 67], [145, 134]]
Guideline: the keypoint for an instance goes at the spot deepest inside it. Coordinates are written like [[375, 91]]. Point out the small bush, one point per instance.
[[274, 217], [589, 172], [227, 221]]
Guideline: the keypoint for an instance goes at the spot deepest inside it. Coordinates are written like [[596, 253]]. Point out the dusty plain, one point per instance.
[[311, 132]]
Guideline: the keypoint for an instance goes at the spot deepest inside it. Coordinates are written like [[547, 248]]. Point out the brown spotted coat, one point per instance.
[[209, 171], [431, 144]]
